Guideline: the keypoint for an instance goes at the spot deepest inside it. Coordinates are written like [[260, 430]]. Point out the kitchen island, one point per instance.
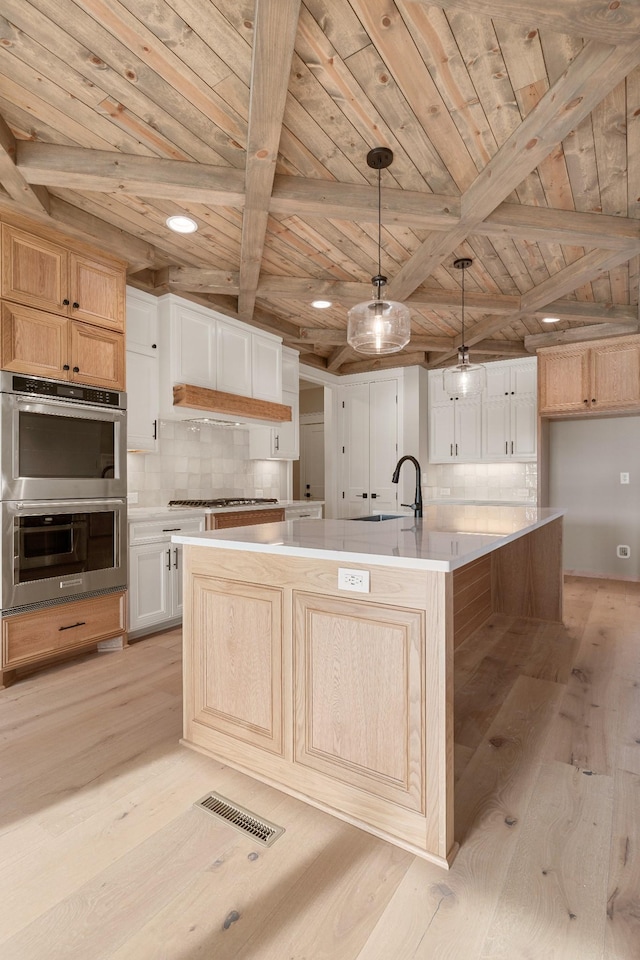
[[318, 654]]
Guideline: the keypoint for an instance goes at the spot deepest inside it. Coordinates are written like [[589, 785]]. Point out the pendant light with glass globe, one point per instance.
[[379, 325], [466, 379]]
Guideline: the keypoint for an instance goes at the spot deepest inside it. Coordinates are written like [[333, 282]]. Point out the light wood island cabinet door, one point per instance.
[[33, 342], [97, 356], [98, 289], [238, 661], [359, 696], [34, 270]]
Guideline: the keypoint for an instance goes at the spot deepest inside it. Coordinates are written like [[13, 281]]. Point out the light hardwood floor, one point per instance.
[[102, 854]]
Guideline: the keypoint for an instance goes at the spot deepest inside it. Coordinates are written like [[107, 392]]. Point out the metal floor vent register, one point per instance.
[[263, 831]]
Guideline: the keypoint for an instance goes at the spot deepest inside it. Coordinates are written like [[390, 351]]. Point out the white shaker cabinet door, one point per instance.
[[233, 359], [266, 368], [193, 349], [142, 401], [149, 584]]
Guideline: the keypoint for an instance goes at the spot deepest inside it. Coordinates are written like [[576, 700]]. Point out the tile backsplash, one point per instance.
[[482, 481], [200, 460]]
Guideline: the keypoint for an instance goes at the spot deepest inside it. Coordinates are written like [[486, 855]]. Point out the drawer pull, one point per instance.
[[170, 529], [72, 626]]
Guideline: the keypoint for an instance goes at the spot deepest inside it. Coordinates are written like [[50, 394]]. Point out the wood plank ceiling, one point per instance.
[[515, 128]]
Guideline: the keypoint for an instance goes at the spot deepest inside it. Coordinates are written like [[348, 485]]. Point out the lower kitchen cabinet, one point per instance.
[[39, 635], [155, 573]]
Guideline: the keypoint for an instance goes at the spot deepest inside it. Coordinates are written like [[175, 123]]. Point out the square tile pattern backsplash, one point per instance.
[[482, 481], [198, 461]]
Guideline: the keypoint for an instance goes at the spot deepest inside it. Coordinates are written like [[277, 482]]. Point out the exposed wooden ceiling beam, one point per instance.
[[83, 226], [275, 28], [381, 363], [106, 171], [32, 197], [594, 19], [595, 71], [578, 334], [200, 280], [581, 271], [337, 358]]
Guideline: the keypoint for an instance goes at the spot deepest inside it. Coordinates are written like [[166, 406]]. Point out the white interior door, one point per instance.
[[383, 445], [312, 461], [353, 411]]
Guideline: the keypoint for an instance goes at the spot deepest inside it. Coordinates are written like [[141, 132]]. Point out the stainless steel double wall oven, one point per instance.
[[63, 485]]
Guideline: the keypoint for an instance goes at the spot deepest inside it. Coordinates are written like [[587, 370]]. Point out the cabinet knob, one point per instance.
[[154, 346], [586, 401], [75, 306], [76, 369], [593, 400], [66, 302], [66, 367]]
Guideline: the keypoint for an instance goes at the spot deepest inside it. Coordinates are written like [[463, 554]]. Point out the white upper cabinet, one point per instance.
[[143, 401], [281, 442], [142, 322], [233, 359], [202, 348], [266, 368], [499, 425]]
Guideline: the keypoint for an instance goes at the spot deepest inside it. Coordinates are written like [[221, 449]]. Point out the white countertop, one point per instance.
[[161, 513], [446, 538]]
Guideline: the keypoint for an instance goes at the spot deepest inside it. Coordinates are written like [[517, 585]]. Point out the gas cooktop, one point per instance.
[[222, 502]]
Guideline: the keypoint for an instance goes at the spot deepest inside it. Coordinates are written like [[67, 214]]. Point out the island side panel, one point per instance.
[[409, 614], [527, 575]]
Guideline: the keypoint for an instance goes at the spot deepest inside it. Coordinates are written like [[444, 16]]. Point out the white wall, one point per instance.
[[199, 461], [586, 458]]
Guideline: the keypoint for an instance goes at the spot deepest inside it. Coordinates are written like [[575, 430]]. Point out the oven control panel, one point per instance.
[[66, 391]]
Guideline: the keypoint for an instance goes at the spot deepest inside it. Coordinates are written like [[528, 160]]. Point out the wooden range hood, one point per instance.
[[229, 404]]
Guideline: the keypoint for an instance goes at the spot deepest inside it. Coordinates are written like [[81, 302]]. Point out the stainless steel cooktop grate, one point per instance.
[[258, 829], [221, 502]]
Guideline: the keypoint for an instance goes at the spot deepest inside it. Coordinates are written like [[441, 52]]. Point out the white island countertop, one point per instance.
[[447, 537]]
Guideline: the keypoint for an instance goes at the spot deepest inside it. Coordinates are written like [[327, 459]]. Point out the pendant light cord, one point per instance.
[[379, 228], [463, 269]]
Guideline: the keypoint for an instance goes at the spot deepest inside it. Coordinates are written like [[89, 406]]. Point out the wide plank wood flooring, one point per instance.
[[104, 857]]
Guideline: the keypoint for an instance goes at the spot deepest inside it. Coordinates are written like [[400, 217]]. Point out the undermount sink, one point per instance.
[[382, 516]]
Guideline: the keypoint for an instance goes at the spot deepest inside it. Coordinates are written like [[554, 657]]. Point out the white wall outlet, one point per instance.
[[357, 580], [132, 497], [624, 478], [623, 551], [444, 492]]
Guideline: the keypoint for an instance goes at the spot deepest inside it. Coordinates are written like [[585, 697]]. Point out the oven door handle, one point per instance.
[[53, 407], [72, 626]]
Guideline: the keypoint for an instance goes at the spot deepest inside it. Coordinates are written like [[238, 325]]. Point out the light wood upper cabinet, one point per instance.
[[97, 292], [40, 273], [97, 356], [34, 342], [596, 377], [34, 270], [46, 345]]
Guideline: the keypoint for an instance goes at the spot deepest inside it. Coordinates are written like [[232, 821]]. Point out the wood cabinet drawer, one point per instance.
[[243, 518], [30, 636]]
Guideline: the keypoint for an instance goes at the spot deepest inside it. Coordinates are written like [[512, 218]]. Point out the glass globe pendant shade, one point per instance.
[[378, 326], [466, 379]]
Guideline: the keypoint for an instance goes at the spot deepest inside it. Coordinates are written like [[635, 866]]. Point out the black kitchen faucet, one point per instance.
[[416, 506]]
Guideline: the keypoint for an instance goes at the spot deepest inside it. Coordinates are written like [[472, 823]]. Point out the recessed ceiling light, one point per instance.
[[182, 224], [551, 320], [321, 304]]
